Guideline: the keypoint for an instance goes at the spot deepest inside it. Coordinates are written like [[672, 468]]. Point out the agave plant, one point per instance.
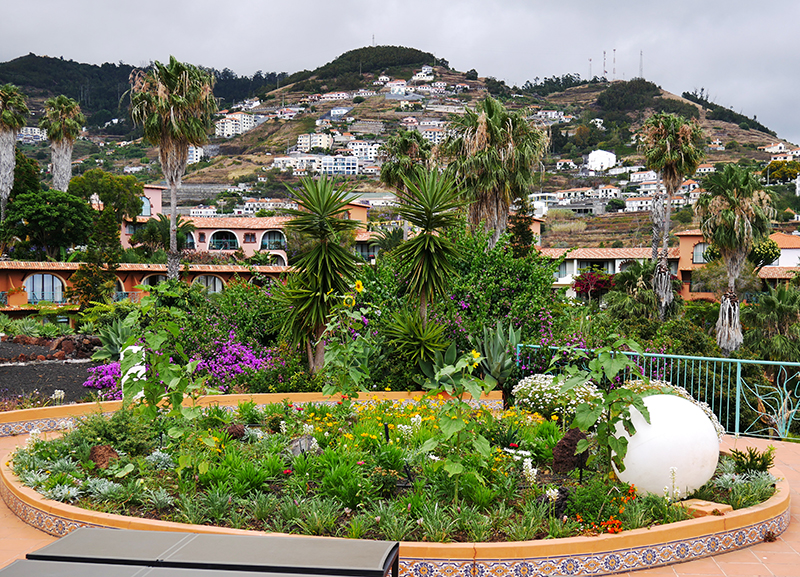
[[498, 349], [26, 326], [113, 338]]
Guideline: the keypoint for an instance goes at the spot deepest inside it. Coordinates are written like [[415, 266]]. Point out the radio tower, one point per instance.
[[605, 72], [641, 65], [614, 72], [590, 68]]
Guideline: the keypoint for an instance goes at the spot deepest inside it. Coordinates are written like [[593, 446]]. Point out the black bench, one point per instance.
[[317, 556]]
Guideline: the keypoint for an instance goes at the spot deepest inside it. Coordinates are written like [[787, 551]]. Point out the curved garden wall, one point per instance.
[[598, 555]]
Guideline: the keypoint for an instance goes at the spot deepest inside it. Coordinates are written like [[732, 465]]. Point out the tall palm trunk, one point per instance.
[[173, 163], [62, 163], [657, 220], [7, 163], [729, 327]]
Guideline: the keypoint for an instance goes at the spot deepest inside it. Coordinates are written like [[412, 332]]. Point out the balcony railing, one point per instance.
[[3, 299], [36, 297], [134, 296], [223, 245], [273, 245]]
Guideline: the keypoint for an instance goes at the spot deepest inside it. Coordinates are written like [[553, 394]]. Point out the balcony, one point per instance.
[[273, 245], [223, 244], [134, 296], [37, 297]]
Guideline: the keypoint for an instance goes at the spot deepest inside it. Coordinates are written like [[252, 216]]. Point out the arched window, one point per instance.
[[212, 283], [698, 254], [223, 240], [146, 208], [278, 260], [190, 241], [273, 240], [154, 279], [44, 287]]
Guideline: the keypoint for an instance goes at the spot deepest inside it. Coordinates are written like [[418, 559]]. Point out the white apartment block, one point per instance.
[[704, 169], [601, 160], [297, 163], [234, 123], [253, 205], [331, 96], [608, 191], [305, 142], [203, 211], [195, 155], [432, 134], [338, 165], [364, 150], [643, 176], [31, 134], [639, 203]]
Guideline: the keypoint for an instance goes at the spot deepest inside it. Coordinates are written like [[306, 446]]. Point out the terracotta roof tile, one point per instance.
[[778, 272], [785, 240], [607, 253], [239, 222]]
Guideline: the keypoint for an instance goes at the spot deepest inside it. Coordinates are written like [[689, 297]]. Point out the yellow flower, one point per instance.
[[359, 286], [554, 417], [349, 301], [475, 354]]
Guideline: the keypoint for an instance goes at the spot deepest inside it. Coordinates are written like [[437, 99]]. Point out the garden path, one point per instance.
[[780, 558]]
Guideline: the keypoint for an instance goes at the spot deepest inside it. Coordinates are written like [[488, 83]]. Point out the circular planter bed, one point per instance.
[[594, 555]]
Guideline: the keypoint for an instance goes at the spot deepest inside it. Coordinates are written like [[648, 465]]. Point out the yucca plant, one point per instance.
[[415, 339]]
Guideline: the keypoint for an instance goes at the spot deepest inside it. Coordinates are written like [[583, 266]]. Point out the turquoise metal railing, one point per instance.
[[749, 397], [3, 299]]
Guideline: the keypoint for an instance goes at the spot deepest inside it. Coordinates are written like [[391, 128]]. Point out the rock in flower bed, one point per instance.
[[360, 470]]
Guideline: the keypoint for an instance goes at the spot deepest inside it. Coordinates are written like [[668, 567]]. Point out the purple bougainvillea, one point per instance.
[[105, 379]]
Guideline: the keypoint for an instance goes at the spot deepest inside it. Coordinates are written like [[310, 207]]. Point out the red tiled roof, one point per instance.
[[239, 222], [692, 232], [131, 267], [785, 240], [778, 272], [607, 253]]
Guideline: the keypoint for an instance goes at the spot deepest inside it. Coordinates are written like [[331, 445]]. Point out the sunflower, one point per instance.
[[359, 286]]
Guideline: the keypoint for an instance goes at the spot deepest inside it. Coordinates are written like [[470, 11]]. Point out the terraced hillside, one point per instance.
[[630, 228]]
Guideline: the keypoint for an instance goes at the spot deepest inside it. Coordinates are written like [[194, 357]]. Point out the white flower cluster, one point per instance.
[[529, 472], [58, 396], [517, 454], [540, 394], [34, 436], [405, 431], [308, 429], [552, 493], [283, 427]]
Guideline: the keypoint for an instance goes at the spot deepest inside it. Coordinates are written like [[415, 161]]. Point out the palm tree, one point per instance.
[[13, 111], [493, 153], [673, 147], [774, 324], [326, 269], [632, 296], [429, 202], [734, 213], [63, 121], [155, 233], [402, 153], [175, 105]]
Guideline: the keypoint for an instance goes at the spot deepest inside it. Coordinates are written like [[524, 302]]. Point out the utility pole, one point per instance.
[[641, 65], [614, 73]]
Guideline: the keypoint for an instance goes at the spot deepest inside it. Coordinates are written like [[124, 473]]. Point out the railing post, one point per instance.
[[738, 395]]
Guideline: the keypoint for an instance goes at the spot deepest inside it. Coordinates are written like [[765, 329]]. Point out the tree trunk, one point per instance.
[[7, 164], [173, 157], [62, 163], [729, 328], [173, 256], [657, 218], [315, 348], [662, 287], [423, 307]]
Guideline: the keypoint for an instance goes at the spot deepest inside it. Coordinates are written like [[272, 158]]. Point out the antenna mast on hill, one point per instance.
[[605, 72], [590, 68], [614, 73], [373, 41], [641, 65]]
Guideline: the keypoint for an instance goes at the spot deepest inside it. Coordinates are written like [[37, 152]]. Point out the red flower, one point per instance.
[[287, 471], [513, 446]]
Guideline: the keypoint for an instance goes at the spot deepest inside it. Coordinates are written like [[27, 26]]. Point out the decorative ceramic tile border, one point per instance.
[[603, 563], [38, 518]]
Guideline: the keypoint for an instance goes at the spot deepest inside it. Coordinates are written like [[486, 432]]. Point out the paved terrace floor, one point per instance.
[[780, 558]]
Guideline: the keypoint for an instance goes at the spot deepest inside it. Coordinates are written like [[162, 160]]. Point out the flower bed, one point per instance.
[[682, 541]]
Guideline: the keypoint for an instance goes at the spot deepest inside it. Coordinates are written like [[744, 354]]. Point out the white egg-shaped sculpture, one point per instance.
[[678, 450]]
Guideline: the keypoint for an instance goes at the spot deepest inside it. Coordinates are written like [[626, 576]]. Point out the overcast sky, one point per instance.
[[743, 52]]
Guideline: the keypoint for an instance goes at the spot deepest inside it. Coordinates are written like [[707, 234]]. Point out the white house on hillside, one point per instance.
[[600, 160]]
